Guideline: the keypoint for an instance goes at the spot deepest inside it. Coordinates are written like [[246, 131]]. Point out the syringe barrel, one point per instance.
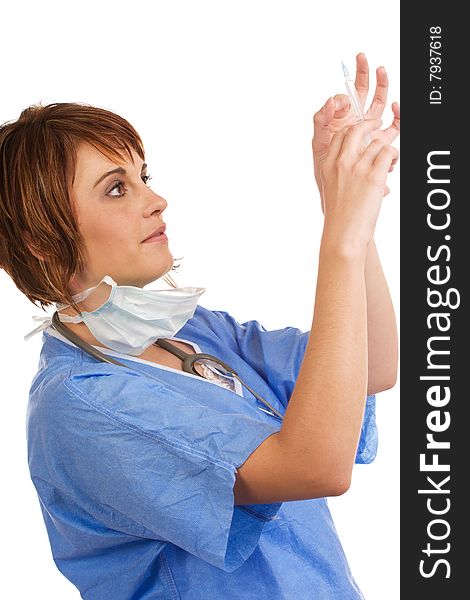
[[353, 97]]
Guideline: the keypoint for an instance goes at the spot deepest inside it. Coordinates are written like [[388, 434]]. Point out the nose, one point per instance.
[[155, 204]]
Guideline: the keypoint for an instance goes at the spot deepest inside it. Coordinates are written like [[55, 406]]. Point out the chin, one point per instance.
[[158, 274]]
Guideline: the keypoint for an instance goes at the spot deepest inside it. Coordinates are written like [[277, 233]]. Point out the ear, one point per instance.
[[31, 246]]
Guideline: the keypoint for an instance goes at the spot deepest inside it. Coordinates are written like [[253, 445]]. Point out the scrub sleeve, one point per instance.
[[276, 355], [160, 465]]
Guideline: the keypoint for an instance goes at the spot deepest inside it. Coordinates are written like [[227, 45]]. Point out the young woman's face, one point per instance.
[[116, 212]]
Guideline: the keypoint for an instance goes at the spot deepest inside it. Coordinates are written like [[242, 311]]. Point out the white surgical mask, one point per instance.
[[132, 318]]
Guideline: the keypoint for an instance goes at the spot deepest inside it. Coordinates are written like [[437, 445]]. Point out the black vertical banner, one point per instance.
[[434, 324]]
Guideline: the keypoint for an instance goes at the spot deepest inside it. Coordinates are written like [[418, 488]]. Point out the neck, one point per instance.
[[84, 333], [96, 299]]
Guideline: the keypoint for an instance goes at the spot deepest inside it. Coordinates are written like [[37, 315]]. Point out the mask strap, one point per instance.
[[82, 295], [85, 293]]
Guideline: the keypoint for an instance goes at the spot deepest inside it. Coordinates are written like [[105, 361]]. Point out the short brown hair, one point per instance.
[[40, 244]]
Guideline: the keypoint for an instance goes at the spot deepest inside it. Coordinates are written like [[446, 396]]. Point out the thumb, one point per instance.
[[321, 121]]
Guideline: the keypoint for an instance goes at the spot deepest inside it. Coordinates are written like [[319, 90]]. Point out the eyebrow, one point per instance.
[[119, 170]]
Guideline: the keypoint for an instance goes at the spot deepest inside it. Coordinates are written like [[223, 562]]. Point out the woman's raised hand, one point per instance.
[[353, 179], [337, 114]]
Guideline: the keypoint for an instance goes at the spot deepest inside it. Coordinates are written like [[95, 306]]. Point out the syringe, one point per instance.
[[353, 97]]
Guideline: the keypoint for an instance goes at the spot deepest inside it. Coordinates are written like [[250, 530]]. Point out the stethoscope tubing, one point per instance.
[[188, 360]]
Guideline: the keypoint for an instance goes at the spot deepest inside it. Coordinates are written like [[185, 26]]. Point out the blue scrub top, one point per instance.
[[135, 467]]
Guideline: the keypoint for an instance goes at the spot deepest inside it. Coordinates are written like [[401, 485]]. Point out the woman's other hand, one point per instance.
[[353, 178], [337, 114]]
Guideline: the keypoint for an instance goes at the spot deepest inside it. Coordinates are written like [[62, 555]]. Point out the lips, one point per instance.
[[156, 232]]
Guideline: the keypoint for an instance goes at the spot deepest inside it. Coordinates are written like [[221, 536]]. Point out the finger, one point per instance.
[[354, 136], [384, 159], [380, 97], [342, 105], [386, 190], [370, 154], [336, 144], [362, 77], [393, 130], [394, 162], [321, 122]]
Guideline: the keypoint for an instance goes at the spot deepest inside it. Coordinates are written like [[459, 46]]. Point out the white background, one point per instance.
[[223, 95]]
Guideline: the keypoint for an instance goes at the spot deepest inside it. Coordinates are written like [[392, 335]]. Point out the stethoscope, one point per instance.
[[189, 360]]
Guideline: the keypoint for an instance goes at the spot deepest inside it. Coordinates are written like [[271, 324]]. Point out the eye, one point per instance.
[[119, 185]]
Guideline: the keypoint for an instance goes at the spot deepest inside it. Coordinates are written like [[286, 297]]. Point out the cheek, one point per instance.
[[110, 234], [110, 227]]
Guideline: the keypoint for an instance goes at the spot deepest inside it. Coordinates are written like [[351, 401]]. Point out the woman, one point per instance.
[[155, 482]]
